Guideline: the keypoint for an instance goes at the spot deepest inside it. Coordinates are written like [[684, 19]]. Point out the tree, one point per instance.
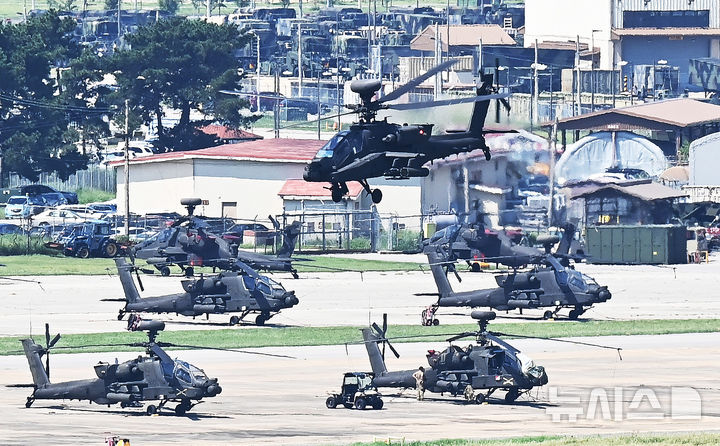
[[170, 6], [36, 131], [62, 5], [112, 5], [182, 64]]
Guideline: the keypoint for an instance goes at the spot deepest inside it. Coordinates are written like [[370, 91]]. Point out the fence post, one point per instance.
[[323, 233]]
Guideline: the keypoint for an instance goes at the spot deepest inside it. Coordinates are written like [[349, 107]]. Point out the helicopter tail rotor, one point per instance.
[[381, 333], [49, 343]]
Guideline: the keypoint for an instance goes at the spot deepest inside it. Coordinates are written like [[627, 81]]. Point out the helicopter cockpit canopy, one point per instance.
[[341, 145], [188, 374], [265, 285]]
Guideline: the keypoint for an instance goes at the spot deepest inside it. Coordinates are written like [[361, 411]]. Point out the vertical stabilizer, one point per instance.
[[376, 360], [441, 280], [480, 109], [566, 240], [290, 236], [131, 292], [32, 353]]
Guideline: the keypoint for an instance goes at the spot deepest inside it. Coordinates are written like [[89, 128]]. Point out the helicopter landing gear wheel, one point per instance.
[[182, 408], [547, 315], [262, 318], [234, 320], [376, 196], [479, 398], [189, 271], [576, 312], [336, 195], [29, 402], [121, 315], [164, 271], [294, 274], [151, 409], [512, 395]]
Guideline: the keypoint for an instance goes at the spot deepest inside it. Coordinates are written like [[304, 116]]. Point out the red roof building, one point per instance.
[[228, 135], [301, 189]]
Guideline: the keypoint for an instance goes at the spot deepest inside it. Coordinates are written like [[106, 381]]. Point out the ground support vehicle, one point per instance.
[[357, 391]]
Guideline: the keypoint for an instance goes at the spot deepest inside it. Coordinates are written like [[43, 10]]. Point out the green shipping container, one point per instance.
[[649, 244]]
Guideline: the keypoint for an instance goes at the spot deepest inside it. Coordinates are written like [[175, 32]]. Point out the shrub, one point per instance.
[[15, 244], [93, 195], [360, 244]]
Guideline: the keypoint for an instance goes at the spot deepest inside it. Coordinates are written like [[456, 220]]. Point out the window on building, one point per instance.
[[666, 19]]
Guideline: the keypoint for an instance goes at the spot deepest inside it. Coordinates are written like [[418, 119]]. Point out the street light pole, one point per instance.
[[592, 69], [127, 167]]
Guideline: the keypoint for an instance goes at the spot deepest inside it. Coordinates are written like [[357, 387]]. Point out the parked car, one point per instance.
[[39, 189], [23, 206], [102, 208], [9, 229], [234, 234], [53, 217], [53, 199]]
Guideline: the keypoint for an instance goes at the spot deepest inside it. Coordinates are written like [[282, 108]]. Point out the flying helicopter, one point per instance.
[[378, 148], [153, 377], [475, 372], [547, 284], [245, 292], [189, 243]]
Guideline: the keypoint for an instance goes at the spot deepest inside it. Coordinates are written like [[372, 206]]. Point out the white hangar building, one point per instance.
[[243, 180]]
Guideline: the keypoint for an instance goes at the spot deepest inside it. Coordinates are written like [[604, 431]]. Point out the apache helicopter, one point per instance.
[[154, 377], [188, 243], [243, 292], [472, 242], [490, 365], [377, 148], [547, 284]]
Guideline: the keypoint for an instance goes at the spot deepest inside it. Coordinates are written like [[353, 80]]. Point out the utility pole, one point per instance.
[[207, 9], [127, 166], [318, 103], [276, 106], [438, 58], [536, 92], [592, 71], [300, 67], [119, 23], [578, 85], [553, 150], [257, 69], [480, 61]]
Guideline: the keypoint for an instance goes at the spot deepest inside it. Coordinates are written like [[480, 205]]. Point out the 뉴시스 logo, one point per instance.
[[624, 403]]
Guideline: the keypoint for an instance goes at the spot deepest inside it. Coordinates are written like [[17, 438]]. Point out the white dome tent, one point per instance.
[[599, 151]]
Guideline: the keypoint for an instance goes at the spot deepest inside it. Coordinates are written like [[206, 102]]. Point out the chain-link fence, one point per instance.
[[95, 177], [355, 231]]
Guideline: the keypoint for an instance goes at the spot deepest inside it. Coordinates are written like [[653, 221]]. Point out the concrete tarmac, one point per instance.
[[82, 304], [662, 384]]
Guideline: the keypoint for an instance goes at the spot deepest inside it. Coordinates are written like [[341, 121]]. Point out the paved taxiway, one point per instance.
[[281, 401], [82, 304]]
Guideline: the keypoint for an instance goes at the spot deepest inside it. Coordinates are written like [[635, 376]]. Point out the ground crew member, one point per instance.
[[420, 383]]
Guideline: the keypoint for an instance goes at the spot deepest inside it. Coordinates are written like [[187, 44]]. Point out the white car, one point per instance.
[[55, 217]]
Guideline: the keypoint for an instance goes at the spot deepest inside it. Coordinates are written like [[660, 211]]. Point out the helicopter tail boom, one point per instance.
[[129, 288], [377, 363], [441, 280], [32, 353]]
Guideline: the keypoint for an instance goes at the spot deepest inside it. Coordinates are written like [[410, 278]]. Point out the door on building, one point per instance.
[[229, 209]]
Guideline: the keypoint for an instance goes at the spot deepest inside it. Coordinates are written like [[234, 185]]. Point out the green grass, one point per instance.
[[698, 439], [2, 212], [93, 195], [44, 265], [312, 336]]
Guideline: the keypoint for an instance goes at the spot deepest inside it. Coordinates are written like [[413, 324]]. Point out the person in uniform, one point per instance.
[[420, 383]]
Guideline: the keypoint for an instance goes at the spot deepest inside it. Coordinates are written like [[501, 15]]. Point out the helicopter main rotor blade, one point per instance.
[[443, 102], [568, 341], [415, 82], [199, 347], [323, 118], [460, 336]]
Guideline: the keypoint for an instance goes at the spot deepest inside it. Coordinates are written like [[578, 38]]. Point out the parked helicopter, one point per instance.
[[373, 148], [472, 242], [243, 292], [188, 243], [154, 377], [475, 372], [547, 284]]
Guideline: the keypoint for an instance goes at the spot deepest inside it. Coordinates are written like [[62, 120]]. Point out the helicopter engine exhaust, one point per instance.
[[409, 172]]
